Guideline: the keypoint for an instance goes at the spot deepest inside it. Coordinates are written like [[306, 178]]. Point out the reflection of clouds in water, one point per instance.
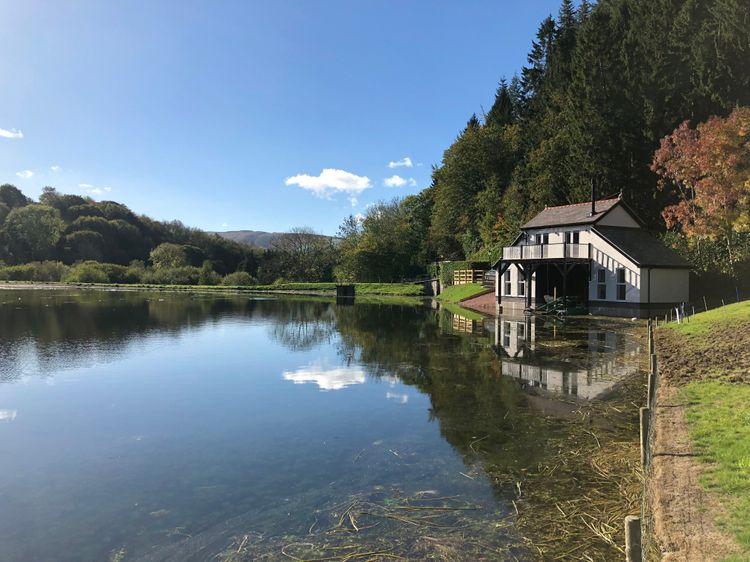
[[8, 415], [397, 397], [327, 379]]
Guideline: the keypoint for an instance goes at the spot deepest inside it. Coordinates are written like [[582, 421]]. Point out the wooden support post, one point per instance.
[[650, 389], [644, 412], [651, 398], [633, 552]]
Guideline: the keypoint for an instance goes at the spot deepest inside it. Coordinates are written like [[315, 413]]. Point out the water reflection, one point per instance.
[[175, 421], [580, 358], [327, 378], [8, 415]]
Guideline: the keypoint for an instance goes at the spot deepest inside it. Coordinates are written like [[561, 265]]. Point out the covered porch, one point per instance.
[[558, 270]]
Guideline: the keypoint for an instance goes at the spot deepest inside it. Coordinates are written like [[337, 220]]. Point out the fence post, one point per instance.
[[644, 415], [633, 539], [651, 380]]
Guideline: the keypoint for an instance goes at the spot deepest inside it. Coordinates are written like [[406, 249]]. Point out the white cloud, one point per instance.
[[55, 168], [353, 200], [93, 189], [25, 174], [11, 134], [397, 397], [8, 415], [398, 181], [359, 217], [403, 163], [331, 181], [327, 379]]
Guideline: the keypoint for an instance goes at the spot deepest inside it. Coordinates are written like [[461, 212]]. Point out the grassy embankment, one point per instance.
[[362, 289], [715, 375], [452, 296]]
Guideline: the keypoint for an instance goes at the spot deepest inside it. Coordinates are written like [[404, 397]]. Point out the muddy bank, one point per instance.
[[486, 304], [683, 513]]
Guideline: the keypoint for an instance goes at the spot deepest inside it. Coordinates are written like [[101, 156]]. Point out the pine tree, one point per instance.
[[501, 113]]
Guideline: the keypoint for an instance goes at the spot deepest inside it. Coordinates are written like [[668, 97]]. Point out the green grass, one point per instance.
[[703, 322], [457, 293], [362, 289], [459, 311], [718, 416]]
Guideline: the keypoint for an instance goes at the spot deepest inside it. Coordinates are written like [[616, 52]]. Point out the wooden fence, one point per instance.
[[466, 276]]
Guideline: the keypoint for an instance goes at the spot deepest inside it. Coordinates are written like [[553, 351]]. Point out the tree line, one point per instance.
[[645, 98], [63, 237], [603, 85]]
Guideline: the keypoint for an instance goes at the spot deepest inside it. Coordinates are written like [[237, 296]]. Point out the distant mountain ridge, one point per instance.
[[256, 238]]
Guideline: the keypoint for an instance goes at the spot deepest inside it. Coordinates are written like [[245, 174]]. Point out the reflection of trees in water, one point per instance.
[[44, 331], [461, 375], [300, 325]]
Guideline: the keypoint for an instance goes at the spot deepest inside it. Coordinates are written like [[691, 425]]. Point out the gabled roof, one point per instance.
[[642, 248], [568, 215]]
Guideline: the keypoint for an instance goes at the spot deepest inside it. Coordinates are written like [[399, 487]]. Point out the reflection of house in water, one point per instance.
[[462, 324], [583, 364]]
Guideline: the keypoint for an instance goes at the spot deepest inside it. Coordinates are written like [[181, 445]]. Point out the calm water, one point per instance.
[[140, 426]]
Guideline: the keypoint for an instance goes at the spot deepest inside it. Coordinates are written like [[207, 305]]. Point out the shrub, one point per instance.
[[207, 275], [186, 275], [86, 272], [35, 271], [239, 279], [48, 271]]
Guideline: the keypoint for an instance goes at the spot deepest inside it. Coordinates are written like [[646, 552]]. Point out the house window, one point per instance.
[[573, 237], [621, 284], [521, 285], [521, 331], [506, 280], [542, 238], [506, 334], [601, 284]]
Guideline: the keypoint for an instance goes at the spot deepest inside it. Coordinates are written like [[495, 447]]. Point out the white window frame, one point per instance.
[[601, 273]]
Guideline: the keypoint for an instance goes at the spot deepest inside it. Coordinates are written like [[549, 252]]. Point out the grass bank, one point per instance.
[[362, 289], [457, 293], [707, 361]]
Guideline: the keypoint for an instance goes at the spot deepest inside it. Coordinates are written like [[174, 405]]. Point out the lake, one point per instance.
[[164, 426]]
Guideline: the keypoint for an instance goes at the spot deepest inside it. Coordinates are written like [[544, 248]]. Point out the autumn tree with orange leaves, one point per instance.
[[707, 170]]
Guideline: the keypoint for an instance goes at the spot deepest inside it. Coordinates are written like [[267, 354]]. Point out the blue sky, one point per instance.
[[225, 114]]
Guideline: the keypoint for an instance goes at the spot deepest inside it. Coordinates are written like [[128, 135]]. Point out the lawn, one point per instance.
[[713, 366], [702, 323], [362, 289], [458, 293], [718, 416]]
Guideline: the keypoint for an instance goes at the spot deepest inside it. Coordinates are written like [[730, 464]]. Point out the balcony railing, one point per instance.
[[548, 252]]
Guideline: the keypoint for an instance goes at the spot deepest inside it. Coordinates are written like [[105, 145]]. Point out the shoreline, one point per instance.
[[690, 514], [218, 289]]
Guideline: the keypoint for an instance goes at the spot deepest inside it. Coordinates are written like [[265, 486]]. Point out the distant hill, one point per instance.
[[256, 238]]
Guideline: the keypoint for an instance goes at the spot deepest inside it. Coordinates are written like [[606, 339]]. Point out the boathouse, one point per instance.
[[597, 254]]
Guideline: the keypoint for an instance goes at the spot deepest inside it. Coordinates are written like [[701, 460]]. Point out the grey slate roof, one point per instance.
[[644, 249], [578, 213]]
